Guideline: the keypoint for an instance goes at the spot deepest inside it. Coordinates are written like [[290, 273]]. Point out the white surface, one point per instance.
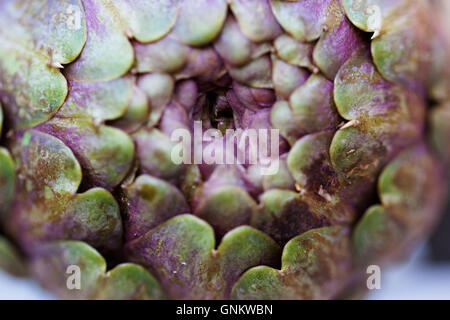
[[12, 288], [414, 279]]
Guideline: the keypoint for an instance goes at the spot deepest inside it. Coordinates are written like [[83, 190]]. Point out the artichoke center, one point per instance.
[[220, 112]]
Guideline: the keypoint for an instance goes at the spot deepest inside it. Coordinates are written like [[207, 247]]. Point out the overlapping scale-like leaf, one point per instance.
[[254, 99], [192, 180], [164, 56], [174, 118], [186, 93], [281, 118], [283, 215], [105, 153], [310, 166], [295, 52], [99, 101], [129, 281], [258, 27], [61, 41], [234, 47], [410, 189], [317, 181], [199, 21], [384, 118], [51, 264], [223, 200], [375, 15], [439, 78], [31, 54], [282, 179], [400, 55], [411, 198], [158, 87], [286, 77], [7, 183], [313, 107], [257, 73], [148, 21], [376, 235], [181, 253], [315, 265], [150, 202], [404, 56], [154, 151], [440, 131], [47, 206], [10, 260], [136, 114], [319, 201], [107, 53], [337, 43], [304, 19], [74, 270], [310, 109], [203, 64], [1, 120]]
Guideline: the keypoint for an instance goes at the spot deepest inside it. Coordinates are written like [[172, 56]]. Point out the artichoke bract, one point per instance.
[[93, 91]]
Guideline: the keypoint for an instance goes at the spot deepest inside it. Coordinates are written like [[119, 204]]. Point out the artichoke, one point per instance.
[[92, 92]]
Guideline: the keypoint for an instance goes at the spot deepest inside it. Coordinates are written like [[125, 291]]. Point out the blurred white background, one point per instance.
[[417, 278]]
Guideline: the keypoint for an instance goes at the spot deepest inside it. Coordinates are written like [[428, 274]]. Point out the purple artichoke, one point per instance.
[[92, 93]]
